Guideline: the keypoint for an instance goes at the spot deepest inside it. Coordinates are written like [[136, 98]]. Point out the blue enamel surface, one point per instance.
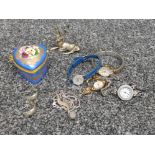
[[43, 56], [43, 72]]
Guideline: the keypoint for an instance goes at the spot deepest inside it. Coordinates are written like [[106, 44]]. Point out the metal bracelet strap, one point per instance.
[[79, 60], [116, 55]]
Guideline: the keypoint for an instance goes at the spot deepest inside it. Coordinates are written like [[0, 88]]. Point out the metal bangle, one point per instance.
[[116, 55]]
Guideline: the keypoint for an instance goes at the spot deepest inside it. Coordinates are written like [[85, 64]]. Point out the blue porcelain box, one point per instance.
[[31, 62]]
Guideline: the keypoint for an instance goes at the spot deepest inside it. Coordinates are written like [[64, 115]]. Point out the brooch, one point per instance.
[[65, 47]]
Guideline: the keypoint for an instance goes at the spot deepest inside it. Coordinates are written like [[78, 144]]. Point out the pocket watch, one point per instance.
[[107, 70]]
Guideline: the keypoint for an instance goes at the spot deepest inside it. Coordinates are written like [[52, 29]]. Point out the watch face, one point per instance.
[[99, 85], [105, 71], [125, 92], [78, 80]]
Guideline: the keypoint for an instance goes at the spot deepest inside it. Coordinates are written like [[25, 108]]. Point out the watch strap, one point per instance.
[[79, 60], [116, 55]]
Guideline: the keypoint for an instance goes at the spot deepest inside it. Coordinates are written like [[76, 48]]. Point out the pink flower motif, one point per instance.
[[25, 55], [22, 50]]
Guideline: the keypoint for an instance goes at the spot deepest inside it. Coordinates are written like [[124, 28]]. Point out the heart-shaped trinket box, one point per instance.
[[31, 62]]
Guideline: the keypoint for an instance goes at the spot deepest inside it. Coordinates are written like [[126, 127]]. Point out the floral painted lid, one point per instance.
[[30, 57]]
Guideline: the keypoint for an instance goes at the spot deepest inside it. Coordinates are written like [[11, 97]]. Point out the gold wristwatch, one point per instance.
[[107, 70], [98, 84]]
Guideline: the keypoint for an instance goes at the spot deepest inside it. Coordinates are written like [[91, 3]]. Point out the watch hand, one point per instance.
[[127, 93]]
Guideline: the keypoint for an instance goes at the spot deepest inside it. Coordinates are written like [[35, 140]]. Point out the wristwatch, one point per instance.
[[98, 84], [127, 91], [107, 70], [79, 79]]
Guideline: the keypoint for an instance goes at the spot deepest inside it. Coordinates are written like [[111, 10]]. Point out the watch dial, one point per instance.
[[98, 85], [105, 71], [125, 92], [78, 80]]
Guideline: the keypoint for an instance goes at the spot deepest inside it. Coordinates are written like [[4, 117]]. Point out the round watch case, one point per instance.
[[105, 71], [99, 85], [125, 92], [78, 79]]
